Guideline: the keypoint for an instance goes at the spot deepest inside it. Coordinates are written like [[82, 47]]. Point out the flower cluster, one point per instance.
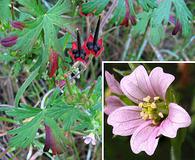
[[153, 115], [92, 45]]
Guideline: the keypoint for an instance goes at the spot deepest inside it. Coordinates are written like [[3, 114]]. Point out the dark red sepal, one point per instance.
[[50, 142], [53, 63]]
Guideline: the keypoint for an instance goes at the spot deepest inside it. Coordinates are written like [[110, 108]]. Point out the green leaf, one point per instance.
[[162, 13], [24, 86], [28, 37], [141, 26], [70, 117], [5, 12], [94, 6], [184, 16], [156, 34], [49, 23], [147, 4], [23, 112], [25, 134], [33, 7]]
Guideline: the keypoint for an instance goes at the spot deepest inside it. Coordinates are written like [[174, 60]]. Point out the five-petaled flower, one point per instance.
[[153, 115], [90, 139], [94, 45]]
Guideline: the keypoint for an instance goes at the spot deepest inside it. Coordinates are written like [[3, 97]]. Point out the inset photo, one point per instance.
[[149, 111]]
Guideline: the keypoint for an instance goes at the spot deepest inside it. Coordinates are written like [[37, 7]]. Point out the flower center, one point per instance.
[[154, 109]]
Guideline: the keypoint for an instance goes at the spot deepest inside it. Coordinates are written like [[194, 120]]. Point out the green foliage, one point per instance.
[[94, 6], [48, 22], [5, 13], [23, 112], [154, 16], [25, 85], [25, 134]]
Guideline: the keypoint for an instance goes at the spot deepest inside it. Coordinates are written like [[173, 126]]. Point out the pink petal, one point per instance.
[[124, 120], [137, 85], [127, 128], [144, 138], [113, 84], [112, 103], [177, 118], [126, 113], [160, 81]]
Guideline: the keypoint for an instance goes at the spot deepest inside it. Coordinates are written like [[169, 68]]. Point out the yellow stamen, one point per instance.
[[142, 114], [153, 105], [156, 98], [147, 99], [145, 117], [140, 104], [161, 115]]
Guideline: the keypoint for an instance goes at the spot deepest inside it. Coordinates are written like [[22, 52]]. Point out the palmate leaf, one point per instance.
[[71, 116], [25, 134], [48, 22], [23, 112], [33, 7]]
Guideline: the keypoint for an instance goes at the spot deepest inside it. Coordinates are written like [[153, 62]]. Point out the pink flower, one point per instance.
[[90, 139], [153, 116]]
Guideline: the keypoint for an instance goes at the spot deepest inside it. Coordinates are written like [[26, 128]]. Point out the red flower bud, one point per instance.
[[53, 63], [50, 142], [9, 41], [178, 26], [128, 16], [17, 25]]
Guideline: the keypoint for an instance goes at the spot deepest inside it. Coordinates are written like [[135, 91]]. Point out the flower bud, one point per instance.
[[9, 41], [17, 25]]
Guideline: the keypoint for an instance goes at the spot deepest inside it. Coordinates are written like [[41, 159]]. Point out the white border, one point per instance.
[[146, 62]]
